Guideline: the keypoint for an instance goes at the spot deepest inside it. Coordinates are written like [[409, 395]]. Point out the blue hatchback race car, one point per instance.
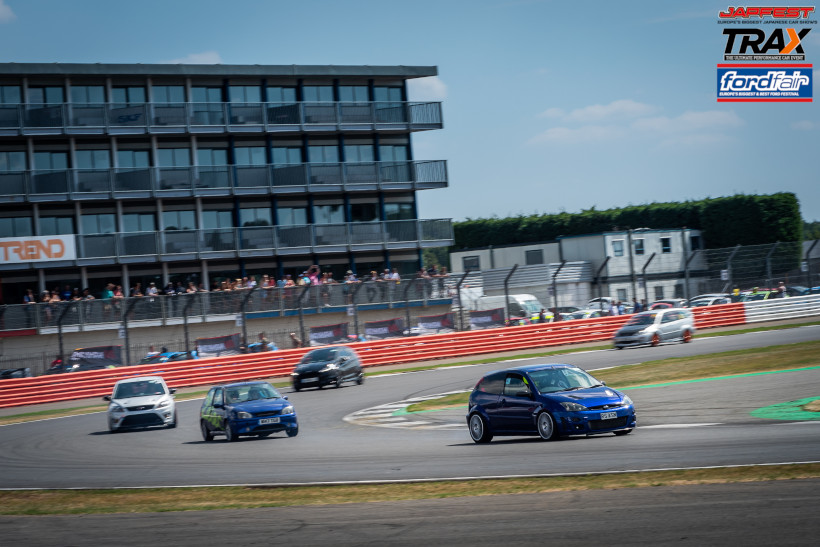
[[246, 409], [549, 400]]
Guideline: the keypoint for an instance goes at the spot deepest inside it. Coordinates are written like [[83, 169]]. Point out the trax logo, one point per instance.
[[780, 12], [754, 39]]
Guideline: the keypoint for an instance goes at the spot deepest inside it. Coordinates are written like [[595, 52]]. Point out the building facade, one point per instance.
[[202, 173]]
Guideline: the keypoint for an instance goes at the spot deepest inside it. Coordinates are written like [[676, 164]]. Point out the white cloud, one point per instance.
[[6, 15], [204, 58], [597, 113], [713, 120], [803, 125], [585, 134], [426, 89]]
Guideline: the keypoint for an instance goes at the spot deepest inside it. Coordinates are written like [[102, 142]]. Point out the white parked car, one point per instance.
[[656, 326], [139, 402]]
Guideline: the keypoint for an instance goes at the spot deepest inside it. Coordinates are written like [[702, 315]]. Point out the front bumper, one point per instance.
[[136, 419], [313, 379], [251, 426], [633, 340], [589, 422]]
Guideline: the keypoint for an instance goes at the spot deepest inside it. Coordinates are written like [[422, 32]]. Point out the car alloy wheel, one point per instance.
[[173, 423], [656, 340], [546, 426], [230, 434], [478, 429], [338, 383], [687, 337], [206, 433], [623, 432], [360, 378], [292, 432]]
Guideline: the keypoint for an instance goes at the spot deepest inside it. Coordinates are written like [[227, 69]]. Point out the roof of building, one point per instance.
[[132, 69]]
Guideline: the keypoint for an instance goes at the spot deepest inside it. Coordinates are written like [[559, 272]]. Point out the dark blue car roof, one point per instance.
[[239, 384]]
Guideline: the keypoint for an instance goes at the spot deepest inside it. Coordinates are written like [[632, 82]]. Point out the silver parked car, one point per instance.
[[656, 326]]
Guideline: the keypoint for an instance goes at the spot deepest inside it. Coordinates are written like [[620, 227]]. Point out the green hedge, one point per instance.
[[726, 221]]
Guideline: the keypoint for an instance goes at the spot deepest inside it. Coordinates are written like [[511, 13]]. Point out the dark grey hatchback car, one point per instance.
[[329, 365]]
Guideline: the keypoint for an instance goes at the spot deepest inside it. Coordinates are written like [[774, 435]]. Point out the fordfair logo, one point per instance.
[[764, 83]]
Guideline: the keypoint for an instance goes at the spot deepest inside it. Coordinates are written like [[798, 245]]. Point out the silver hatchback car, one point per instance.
[[656, 326]]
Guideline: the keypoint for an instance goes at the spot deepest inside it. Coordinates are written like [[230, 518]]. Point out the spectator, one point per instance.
[[136, 290], [29, 300], [370, 284], [556, 315], [297, 342], [169, 289], [395, 277], [636, 306], [66, 294], [781, 290], [542, 315], [151, 291], [621, 308], [613, 308]]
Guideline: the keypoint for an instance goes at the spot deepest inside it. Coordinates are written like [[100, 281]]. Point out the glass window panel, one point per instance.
[[99, 224], [393, 153], [618, 247], [639, 246], [50, 160], [278, 94], [212, 156], [16, 227], [257, 216], [364, 212], [245, 93], [179, 220], [398, 211], [206, 94], [138, 222], [328, 214], [323, 154], [359, 153], [217, 219], [51, 95], [12, 161], [10, 94], [87, 94], [353, 93], [92, 159], [173, 157], [133, 158], [250, 155], [130, 94], [291, 216], [666, 245], [165, 94], [317, 93], [287, 155], [50, 226], [387, 94]]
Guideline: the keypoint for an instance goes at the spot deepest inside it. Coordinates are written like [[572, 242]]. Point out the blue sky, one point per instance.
[[548, 106]]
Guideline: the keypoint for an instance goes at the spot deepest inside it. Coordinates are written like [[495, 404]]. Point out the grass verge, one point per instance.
[[80, 502]]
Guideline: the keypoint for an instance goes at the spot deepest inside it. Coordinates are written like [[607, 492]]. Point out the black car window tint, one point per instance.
[[514, 384], [493, 383]]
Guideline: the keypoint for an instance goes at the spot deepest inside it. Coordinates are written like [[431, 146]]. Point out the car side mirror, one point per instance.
[[107, 398], [172, 390], [219, 405], [285, 397], [524, 394], [603, 383]]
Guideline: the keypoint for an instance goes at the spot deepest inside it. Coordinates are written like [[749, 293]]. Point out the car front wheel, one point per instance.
[[230, 434], [293, 432], [173, 422], [623, 432], [360, 378], [687, 337], [206, 433], [546, 426], [479, 431]]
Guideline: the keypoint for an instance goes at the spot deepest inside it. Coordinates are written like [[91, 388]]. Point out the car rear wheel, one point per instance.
[[623, 432], [687, 337], [546, 426], [656, 340], [230, 434], [206, 433], [479, 430], [338, 383]]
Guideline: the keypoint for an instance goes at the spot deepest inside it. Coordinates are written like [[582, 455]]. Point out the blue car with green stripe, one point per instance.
[[246, 409]]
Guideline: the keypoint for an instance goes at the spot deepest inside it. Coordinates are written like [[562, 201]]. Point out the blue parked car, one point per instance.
[[246, 409], [549, 400]]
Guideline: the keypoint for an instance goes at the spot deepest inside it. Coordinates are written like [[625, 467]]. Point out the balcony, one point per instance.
[[262, 241], [198, 118], [222, 180]]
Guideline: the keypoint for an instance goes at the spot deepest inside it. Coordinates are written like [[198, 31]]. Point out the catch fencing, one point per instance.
[[78, 385]]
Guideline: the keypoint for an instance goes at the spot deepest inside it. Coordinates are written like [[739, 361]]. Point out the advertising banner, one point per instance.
[[19, 250], [218, 346], [389, 328], [329, 334], [430, 324], [487, 319], [96, 357]]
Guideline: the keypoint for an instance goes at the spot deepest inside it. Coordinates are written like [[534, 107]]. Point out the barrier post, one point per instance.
[[354, 290], [301, 314], [555, 289], [686, 274], [507, 294], [460, 302], [769, 264], [407, 301], [242, 308], [130, 306], [66, 307], [807, 259], [598, 283], [188, 304], [643, 278]]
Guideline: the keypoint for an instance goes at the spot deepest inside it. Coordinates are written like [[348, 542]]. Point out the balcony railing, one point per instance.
[[261, 241], [103, 118], [220, 180]]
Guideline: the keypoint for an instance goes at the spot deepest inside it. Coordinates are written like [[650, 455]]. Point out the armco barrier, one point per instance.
[[80, 385]]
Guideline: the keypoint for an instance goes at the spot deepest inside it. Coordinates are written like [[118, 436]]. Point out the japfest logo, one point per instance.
[[765, 82]]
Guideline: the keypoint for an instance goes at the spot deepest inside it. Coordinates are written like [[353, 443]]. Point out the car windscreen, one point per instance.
[[532, 307], [641, 319], [561, 379], [142, 388], [319, 355], [252, 392]]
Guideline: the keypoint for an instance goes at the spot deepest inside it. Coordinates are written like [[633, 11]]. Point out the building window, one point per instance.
[[250, 155], [291, 216], [168, 94], [317, 93], [87, 94], [328, 214], [138, 222], [48, 161], [535, 256], [621, 295], [353, 94], [245, 93], [364, 212], [92, 159], [694, 242], [658, 292], [359, 153], [133, 159], [393, 152], [666, 244], [173, 157], [212, 156], [256, 216], [387, 94], [323, 154], [470, 263], [217, 219], [10, 94], [125, 96], [16, 227], [12, 161], [206, 94], [284, 155], [46, 95], [54, 226], [639, 246], [104, 223], [179, 220], [278, 94], [618, 247], [398, 211]]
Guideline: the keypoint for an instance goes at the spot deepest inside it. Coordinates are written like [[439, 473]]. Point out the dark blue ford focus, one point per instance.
[[548, 400]]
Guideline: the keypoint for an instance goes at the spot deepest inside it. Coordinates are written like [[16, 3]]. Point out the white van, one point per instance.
[[521, 305]]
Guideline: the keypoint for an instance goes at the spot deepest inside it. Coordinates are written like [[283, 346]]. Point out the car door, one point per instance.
[[486, 395], [217, 410], [516, 404], [207, 414], [669, 325]]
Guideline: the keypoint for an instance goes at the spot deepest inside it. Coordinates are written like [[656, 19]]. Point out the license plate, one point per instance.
[[309, 380], [608, 415], [264, 421]]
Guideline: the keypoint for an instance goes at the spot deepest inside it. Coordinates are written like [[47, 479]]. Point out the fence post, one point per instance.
[[242, 308], [507, 293], [299, 298], [555, 289], [188, 304], [808, 264], [407, 301], [130, 306], [598, 283], [729, 268], [769, 264], [66, 307], [686, 274], [354, 290], [643, 277], [461, 300]]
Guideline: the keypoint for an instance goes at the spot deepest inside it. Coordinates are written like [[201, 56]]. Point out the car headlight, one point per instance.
[[626, 401], [116, 409], [244, 415], [163, 403], [294, 373], [328, 367], [287, 410], [573, 407]]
